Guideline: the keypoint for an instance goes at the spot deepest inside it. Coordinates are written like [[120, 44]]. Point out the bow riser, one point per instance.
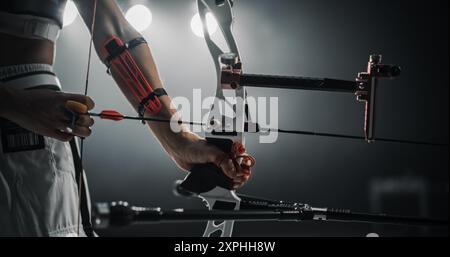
[[226, 125]]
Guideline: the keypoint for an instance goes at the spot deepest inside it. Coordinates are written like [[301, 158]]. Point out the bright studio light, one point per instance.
[[70, 14], [197, 26], [139, 17]]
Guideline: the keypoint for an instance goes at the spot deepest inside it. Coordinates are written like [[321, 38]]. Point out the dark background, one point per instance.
[[309, 38]]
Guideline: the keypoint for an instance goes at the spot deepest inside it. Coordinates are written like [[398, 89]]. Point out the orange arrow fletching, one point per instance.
[[111, 115]]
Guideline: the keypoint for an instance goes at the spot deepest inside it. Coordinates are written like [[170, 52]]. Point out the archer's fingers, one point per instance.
[[61, 136], [221, 160], [76, 131], [246, 163], [239, 184], [244, 172], [244, 175], [85, 121], [228, 168], [82, 99], [81, 131]]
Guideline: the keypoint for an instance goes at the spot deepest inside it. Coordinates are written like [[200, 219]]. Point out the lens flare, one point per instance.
[[197, 26], [70, 14], [140, 17]]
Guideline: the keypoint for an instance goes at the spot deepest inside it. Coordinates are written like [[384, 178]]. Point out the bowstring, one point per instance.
[[86, 87]]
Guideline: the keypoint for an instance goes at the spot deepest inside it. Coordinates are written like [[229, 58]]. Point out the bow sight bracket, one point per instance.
[[365, 86]]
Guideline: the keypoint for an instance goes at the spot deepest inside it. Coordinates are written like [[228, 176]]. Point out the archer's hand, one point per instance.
[[236, 166], [43, 112]]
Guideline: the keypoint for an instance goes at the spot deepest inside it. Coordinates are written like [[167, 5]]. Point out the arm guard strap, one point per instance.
[[121, 62]]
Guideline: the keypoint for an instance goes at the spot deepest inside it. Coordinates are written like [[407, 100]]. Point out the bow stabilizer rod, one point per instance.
[[122, 214], [298, 83]]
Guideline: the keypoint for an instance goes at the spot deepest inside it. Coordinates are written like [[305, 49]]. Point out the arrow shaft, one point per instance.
[[116, 116], [119, 117]]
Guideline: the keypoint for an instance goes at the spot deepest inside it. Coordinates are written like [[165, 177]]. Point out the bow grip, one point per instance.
[[205, 177]]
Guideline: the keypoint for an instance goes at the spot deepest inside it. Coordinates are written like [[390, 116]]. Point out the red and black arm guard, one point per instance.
[[121, 62]]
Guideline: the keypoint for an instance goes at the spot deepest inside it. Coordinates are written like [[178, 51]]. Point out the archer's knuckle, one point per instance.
[[84, 132], [90, 101], [86, 99], [83, 120]]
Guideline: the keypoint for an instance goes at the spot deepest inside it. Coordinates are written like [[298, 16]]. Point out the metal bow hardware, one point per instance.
[[251, 209], [225, 130], [207, 181]]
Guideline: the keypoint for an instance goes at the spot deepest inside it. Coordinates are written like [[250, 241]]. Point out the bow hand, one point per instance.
[[214, 163]]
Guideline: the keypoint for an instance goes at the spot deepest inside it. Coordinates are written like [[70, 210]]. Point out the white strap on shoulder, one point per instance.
[[28, 26]]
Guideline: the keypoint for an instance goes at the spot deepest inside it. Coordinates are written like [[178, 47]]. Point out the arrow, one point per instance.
[[114, 115], [117, 116]]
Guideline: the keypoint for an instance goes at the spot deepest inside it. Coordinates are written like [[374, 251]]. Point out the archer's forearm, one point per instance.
[[109, 23], [170, 140]]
